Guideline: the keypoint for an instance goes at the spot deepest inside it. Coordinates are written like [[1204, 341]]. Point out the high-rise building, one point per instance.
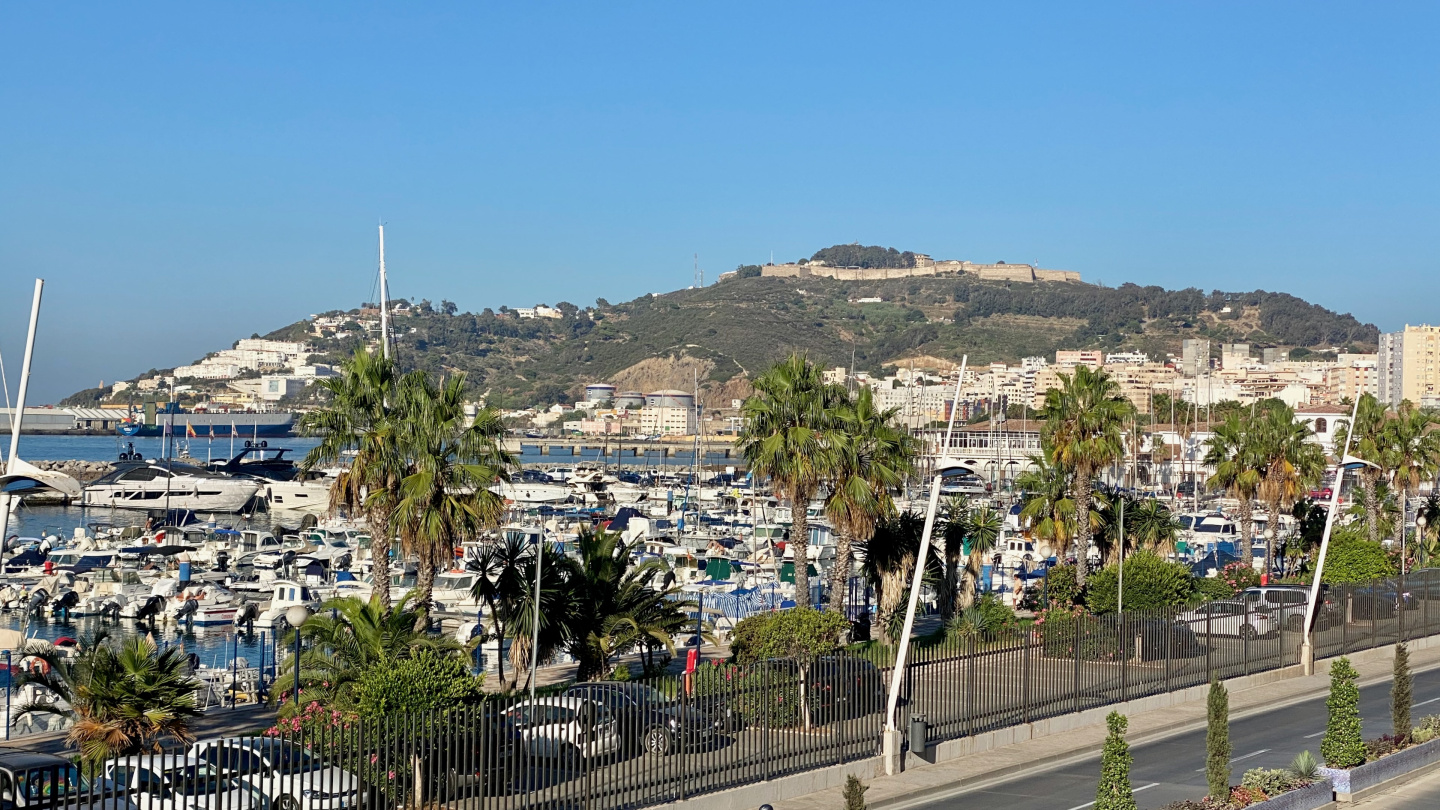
[[1194, 357], [1407, 366], [1234, 355]]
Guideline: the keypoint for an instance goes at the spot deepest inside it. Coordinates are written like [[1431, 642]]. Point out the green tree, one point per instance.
[[1353, 559], [801, 634], [1291, 462], [854, 793], [1233, 453], [1048, 508], [953, 527], [359, 424], [1342, 746], [347, 638], [1401, 691], [890, 562], [453, 460], [1083, 422], [502, 586], [1412, 453], [124, 699], [1150, 583], [424, 682], [983, 533], [1114, 791], [873, 455], [1154, 526], [1217, 741], [787, 437]]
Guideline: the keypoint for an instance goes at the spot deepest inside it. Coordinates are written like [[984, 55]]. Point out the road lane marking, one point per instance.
[[1313, 736], [1423, 702], [1136, 790], [1246, 756]]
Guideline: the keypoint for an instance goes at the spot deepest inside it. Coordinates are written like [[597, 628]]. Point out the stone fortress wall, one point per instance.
[[924, 266]]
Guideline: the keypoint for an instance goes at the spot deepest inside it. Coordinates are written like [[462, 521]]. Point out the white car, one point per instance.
[[565, 727], [181, 782], [1229, 618], [292, 777]]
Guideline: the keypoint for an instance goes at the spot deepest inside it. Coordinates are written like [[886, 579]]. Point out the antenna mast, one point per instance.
[[699, 278], [384, 301]]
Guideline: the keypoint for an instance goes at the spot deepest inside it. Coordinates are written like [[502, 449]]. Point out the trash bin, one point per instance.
[[918, 729]]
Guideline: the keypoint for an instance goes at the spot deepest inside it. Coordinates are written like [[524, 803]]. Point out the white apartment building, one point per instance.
[[668, 421], [1127, 358], [209, 371]]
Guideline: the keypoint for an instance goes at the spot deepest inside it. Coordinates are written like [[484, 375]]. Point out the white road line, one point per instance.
[[1136, 790], [1313, 736], [1247, 756], [1423, 702]]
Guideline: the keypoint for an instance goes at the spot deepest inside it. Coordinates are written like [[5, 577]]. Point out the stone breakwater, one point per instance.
[[82, 471]]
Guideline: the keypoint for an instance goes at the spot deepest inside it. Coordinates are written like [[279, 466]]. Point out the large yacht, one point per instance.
[[169, 485]]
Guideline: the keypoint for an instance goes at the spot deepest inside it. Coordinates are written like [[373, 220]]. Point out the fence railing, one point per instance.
[[636, 744]]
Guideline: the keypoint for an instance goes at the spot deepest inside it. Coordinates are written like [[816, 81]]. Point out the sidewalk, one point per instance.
[[927, 783]]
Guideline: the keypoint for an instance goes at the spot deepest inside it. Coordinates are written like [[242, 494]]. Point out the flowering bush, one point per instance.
[[1064, 630], [1239, 576]]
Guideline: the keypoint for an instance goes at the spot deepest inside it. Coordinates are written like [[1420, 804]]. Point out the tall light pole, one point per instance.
[[297, 615], [891, 739], [535, 617]]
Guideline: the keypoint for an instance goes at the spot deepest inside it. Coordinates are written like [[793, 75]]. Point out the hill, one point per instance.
[[729, 331]]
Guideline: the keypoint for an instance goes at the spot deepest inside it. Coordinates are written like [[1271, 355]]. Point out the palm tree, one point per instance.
[[787, 437], [445, 496], [890, 556], [953, 530], [1290, 461], [556, 571], [1084, 419], [614, 605], [1412, 454], [361, 417], [1048, 509], [124, 700], [1368, 442], [1233, 453], [983, 533], [872, 456], [501, 586], [348, 636], [1428, 533], [1153, 526]]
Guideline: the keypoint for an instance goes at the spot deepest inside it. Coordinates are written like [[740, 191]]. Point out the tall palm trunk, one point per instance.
[[950, 591], [1272, 533], [1083, 493], [840, 573], [968, 586], [1247, 526], [891, 596], [424, 587], [380, 555], [1372, 505], [800, 543]]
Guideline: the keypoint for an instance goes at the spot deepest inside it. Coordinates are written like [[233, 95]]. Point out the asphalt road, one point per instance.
[[1172, 769]]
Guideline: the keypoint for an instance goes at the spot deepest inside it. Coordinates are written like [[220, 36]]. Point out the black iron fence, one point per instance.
[[637, 744]]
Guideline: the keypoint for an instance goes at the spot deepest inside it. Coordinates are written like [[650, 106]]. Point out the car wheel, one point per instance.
[[657, 741], [1247, 632], [287, 802]]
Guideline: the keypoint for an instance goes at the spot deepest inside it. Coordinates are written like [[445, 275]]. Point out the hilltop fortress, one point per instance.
[[924, 266]]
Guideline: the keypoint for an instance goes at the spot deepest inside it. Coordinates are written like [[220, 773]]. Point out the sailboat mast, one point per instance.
[[384, 302]]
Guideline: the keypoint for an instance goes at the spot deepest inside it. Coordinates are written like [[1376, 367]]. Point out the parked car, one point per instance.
[[292, 777], [1380, 601], [566, 727], [181, 782], [1287, 602], [649, 720], [1155, 639], [1231, 617], [840, 688]]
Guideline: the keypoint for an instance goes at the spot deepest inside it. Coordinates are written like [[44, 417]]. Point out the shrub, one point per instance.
[[1381, 746], [1150, 583], [1242, 796], [1217, 740], [1238, 576], [1210, 588], [426, 681], [1352, 558], [1114, 791], [1069, 631], [985, 620], [854, 793], [1342, 745], [1428, 729], [1270, 781], [1059, 586], [1400, 693], [1304, 767], [799, 633]]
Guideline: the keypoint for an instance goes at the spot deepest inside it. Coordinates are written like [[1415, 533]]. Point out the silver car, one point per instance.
[[1229, 618], [565, 727]]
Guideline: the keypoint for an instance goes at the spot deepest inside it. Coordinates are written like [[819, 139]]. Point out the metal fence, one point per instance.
[[637, 744]]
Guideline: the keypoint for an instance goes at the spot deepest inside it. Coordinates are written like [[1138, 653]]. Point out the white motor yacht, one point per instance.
[[204, 604], [285, 594], [169, 485]]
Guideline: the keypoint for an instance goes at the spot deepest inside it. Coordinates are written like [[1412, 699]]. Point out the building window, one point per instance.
[[1320, 425]]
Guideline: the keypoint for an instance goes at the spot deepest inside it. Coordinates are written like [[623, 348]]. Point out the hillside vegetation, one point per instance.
[[738, 327]]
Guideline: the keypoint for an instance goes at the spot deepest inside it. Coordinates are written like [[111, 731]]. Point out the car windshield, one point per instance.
[[289, 758], [42, 783]]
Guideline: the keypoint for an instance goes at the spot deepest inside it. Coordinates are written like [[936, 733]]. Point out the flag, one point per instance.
[[212, 430], [189, 431], [233, 431]]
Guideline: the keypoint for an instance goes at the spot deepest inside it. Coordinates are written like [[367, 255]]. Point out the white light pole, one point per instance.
[[1307, 649], [18, 415], [891, 738]]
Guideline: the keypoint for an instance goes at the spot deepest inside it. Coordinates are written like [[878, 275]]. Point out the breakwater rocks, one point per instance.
[[82, 471]]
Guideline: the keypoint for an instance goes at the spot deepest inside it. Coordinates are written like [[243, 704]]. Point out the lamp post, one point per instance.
[[535, 619], [1420, 522], [297, 615]]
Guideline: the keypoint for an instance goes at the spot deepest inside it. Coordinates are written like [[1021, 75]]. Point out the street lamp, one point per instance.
[[1347, 461], [297, 615]]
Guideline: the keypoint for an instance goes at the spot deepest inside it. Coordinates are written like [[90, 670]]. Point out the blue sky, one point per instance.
[[186, 174]]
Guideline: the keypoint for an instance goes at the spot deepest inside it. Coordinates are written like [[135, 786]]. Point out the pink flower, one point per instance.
[[374, 758]]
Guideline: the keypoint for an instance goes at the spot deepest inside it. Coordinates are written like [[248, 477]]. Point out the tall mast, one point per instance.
[[384, 302], [18, 415]]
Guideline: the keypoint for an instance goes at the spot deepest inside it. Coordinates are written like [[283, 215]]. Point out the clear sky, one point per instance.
[[185, 174]]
